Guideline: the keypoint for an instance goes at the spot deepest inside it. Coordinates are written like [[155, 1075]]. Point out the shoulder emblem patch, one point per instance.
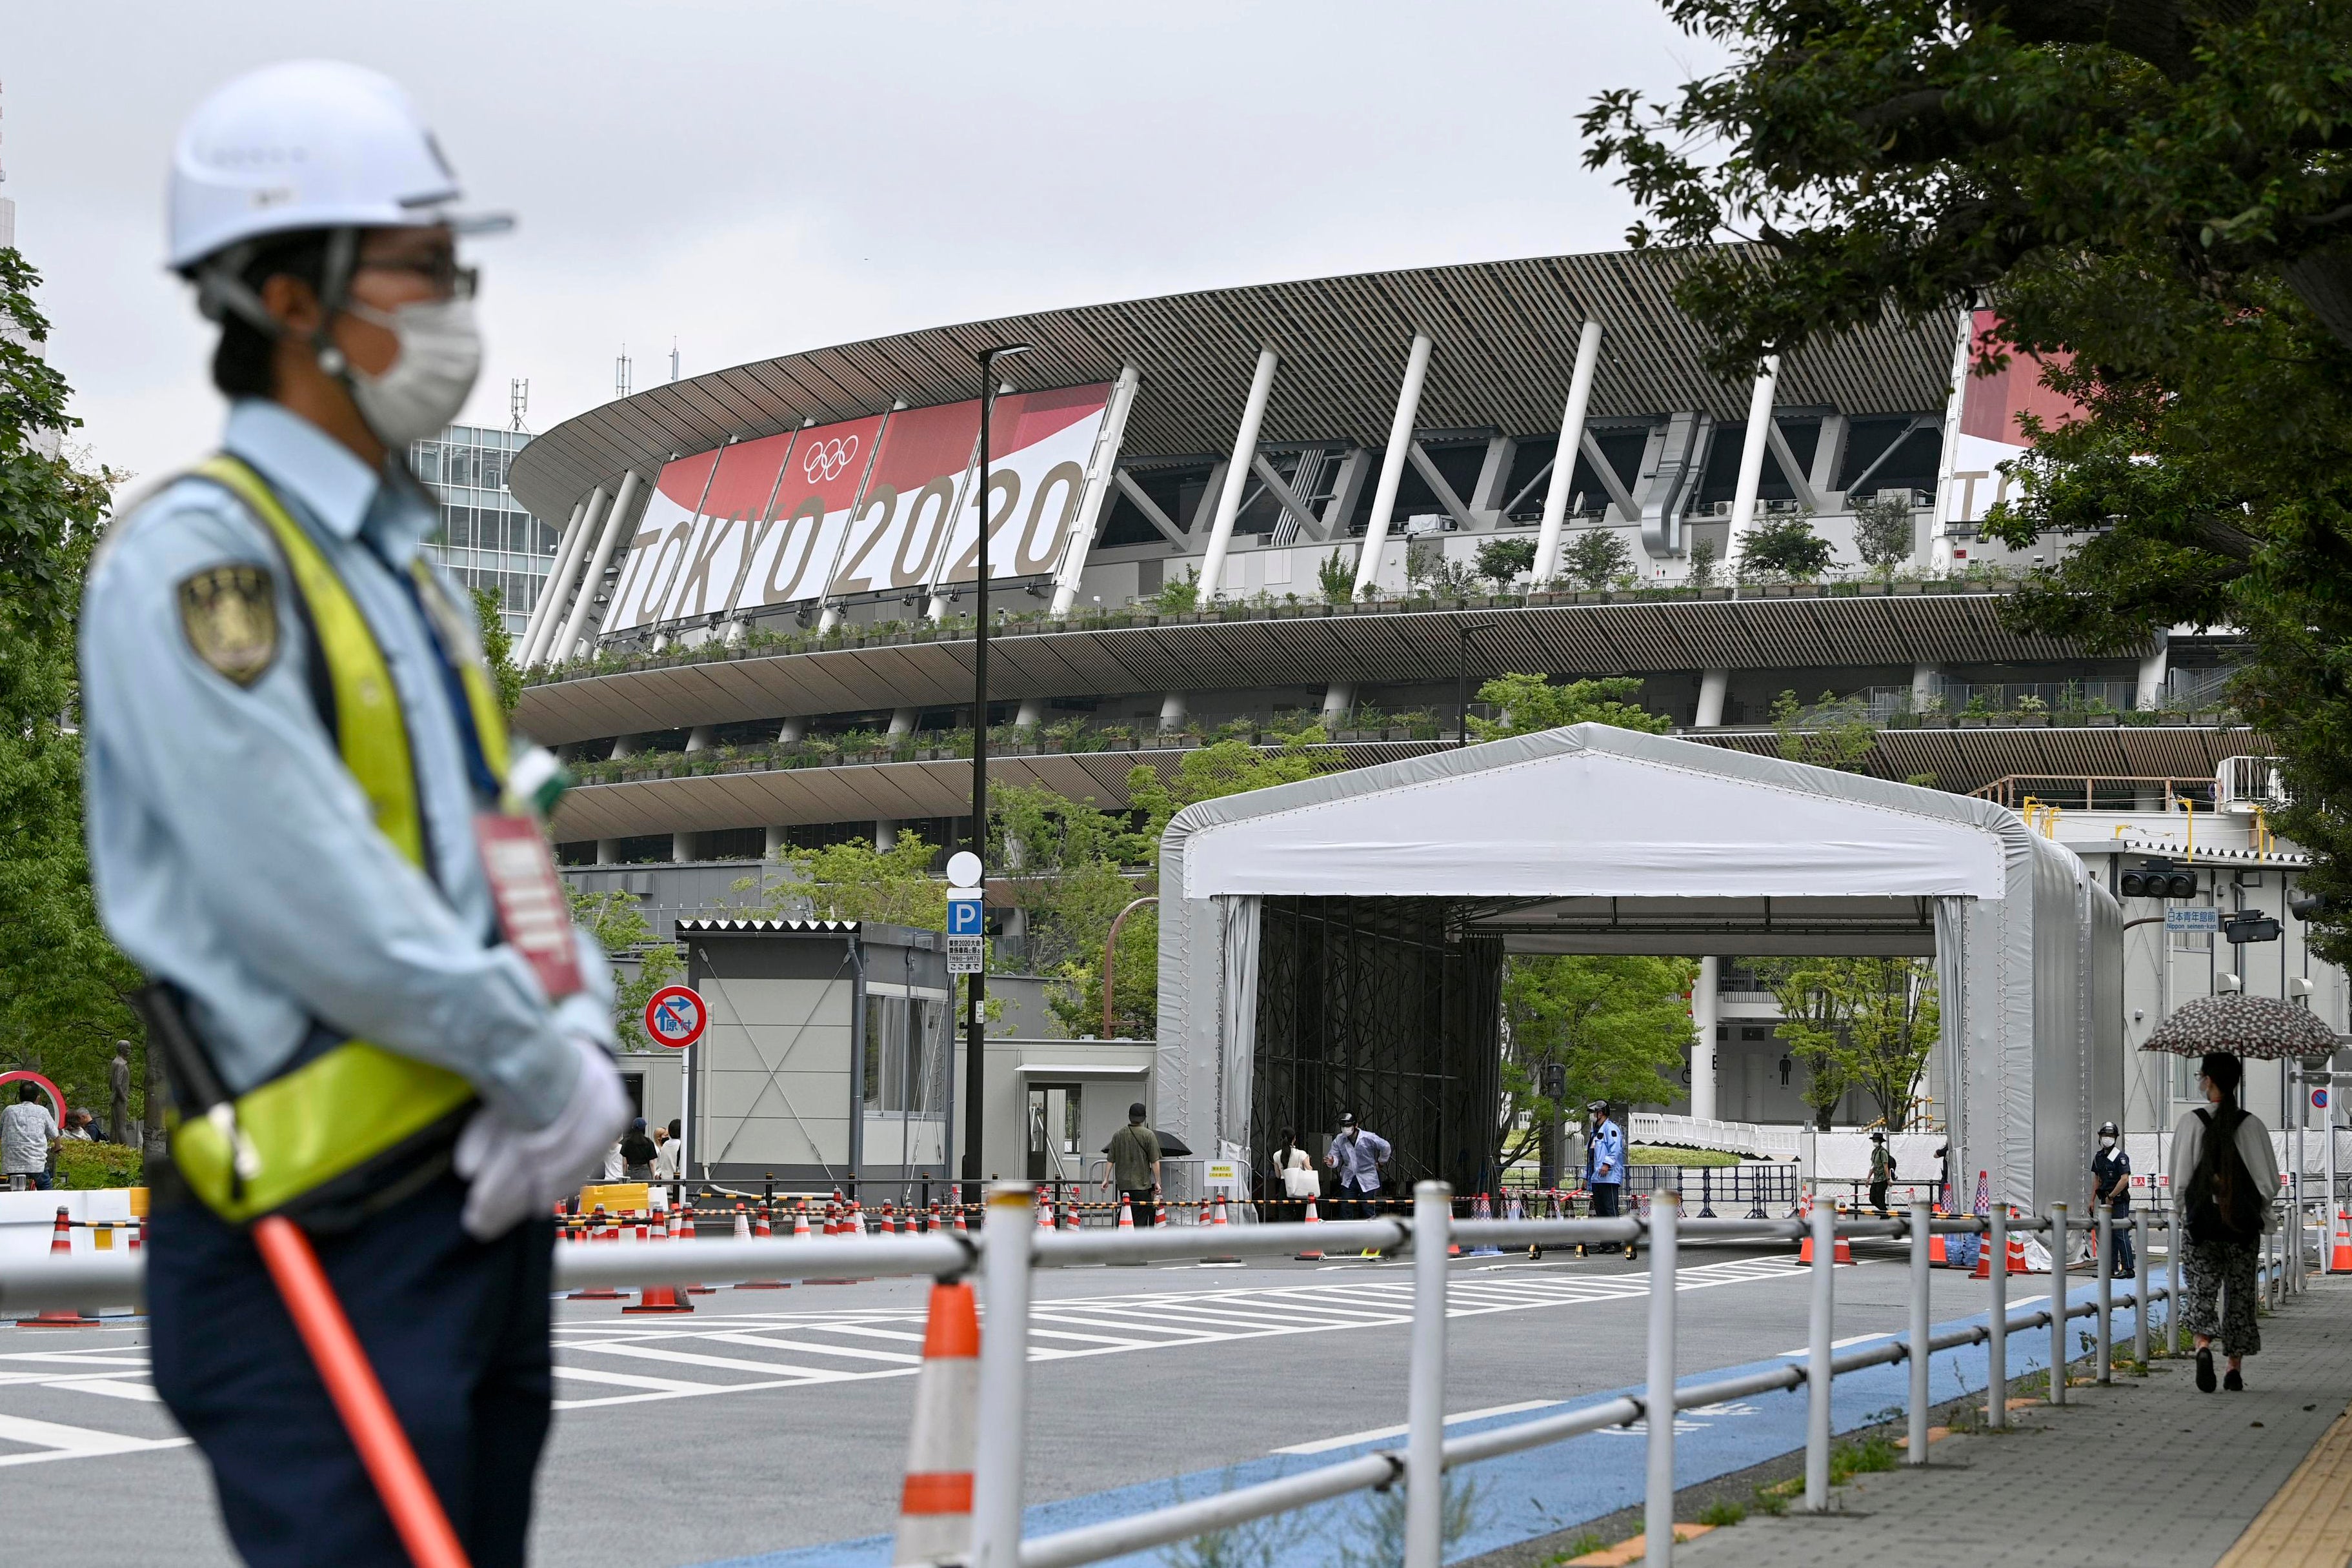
[[230, 616]]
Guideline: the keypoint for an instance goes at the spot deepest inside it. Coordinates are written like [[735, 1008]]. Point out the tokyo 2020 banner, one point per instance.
[[879, 505]]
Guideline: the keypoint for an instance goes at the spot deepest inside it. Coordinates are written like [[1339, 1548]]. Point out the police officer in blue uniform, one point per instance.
[[295, 763]]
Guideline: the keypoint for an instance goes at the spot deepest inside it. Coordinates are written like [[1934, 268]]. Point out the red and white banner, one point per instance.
[[860, 507], [1990, 430]]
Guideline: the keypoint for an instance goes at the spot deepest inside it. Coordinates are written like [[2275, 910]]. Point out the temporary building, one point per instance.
[[1336, 944]]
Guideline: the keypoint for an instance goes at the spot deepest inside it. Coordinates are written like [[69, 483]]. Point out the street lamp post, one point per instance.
[[1462, 676], [975, 1065]]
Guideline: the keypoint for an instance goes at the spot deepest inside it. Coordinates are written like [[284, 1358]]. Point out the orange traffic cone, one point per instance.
[[660, 1299], [1936, 1257], [800, 1221], [60, 1245], [2017, 1263], [935, 1500], [1312, 1218], [1045, 1211], [1841, 1252], [2339, 1251], [600, 1228]]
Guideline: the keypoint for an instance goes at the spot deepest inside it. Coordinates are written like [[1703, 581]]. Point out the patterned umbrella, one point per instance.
[[2261, 1027]]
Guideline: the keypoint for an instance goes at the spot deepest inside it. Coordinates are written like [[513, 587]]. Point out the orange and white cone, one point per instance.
[[742, 1224], [800, 1221], [60, 1245], [1126, 1215], [1312, 1218], [600, 1228], [761, 1231], [1045, 1211], [2340, 1248], [935, 1500]]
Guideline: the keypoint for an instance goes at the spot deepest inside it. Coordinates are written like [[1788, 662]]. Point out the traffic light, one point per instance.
[[2250, 927], [2310, 906], [2158, 879], [1555, 1080]]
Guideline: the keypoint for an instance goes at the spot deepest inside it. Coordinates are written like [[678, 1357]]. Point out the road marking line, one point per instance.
[[723, 1363], [112, 1388], [630, 1379], [71, 1442], [757, 1341], [1326, 1444]]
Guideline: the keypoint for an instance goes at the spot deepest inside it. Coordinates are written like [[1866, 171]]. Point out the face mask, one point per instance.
[[440, 355], [2106, 1142]]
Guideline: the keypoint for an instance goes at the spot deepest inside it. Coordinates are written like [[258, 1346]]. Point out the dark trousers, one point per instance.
[[1354, 1203], [1877, 1193], [2126, 1263], [1605, 1199], [458, 1334], [1139, 1202]]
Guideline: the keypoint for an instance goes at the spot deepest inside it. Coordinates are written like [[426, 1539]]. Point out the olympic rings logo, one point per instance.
[[827, 459]]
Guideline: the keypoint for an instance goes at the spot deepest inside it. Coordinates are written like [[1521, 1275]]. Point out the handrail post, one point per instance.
[[1424, 1443], [2057, 1303], [1658, 1409], [2140, 1304], [2172, 1283], [1817, 1359], [1996, 1242], [2104, 1270], [1003, 1376], [1921, 1331]]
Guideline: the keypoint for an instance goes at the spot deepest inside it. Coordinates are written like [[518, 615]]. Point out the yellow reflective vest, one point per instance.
[[353, 1119]]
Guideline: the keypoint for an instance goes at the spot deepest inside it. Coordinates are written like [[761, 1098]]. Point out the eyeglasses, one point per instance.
[[447, 279]]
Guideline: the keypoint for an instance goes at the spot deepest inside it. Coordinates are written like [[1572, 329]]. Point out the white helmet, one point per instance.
[[308, 144]]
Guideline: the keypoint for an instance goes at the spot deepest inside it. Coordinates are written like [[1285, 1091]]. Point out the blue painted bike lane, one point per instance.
[[1562, 1485]]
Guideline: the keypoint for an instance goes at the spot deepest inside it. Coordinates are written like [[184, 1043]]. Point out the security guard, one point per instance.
[[296, 763], [2111, 1173], [1605, 1167]]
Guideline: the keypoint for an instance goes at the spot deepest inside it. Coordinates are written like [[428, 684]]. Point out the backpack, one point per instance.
[[2224, 1205]]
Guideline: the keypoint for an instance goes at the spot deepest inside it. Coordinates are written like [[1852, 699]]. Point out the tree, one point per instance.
[[497, 647], [1212, 771], [1883, 531], [1833, 733], [1857, 1023], [1618, 1026], [1704, 559], [856, 881], [1783, 549], [1066, 861], [1595, 557], [2155, 201], [616, 920], [1530, 703], [62, 982], [1502, 560], [1336, 576]]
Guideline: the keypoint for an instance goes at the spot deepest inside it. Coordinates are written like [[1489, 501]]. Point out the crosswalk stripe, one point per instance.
[[625, 1379], [855, 1353], [723, 1363], [62, 1442]]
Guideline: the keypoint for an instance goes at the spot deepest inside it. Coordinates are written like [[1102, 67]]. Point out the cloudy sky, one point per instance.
[[750, 179]]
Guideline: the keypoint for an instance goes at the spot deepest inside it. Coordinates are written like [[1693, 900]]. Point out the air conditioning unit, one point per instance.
[[2246, 785], [1428, 522], [1907, 495]]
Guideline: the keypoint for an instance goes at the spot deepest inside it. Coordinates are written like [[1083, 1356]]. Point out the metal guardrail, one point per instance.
[[1012, 1247]]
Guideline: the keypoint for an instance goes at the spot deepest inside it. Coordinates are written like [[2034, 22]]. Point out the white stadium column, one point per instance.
[[1337, 698], [681, 848], [772, 840], [1923, 684], [608, 851], [902, 721], [1031, 713], [1751, 464], [1237, 476], [791, 733], [1703, 1020], [2149, 694], [559, 573], [616, 517], [701, 738], [1100, 474], [1564, 462], [1712, 684], [1392, 462], [1172, 710], [886, 834]]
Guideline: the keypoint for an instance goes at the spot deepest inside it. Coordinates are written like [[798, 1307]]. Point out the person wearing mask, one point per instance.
[[28, 1133], [1882, 1175], [2111, 1185], [2224, 1177], [1295, 1174], [1605, 1167], [636, 1153], [295, 758], [1133, 1155], [1357, 1155]]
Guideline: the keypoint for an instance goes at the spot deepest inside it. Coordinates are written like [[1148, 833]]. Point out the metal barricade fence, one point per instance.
[[1011, 1245]]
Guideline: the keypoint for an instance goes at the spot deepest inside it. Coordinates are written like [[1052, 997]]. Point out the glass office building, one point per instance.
[[485, 538]]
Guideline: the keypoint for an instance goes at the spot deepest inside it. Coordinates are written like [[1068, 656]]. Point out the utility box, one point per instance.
[[828, 1058]]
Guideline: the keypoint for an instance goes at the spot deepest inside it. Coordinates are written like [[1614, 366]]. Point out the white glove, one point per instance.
[[516, 1171]]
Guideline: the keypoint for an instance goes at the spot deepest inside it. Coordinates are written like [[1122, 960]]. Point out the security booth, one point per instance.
[[827, 1060], [1053, 1104]]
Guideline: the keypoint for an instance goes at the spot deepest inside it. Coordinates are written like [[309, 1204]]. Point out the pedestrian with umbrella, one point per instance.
[[2225, 1174]]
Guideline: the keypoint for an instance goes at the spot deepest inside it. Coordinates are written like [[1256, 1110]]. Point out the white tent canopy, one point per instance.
[[1593, 839]]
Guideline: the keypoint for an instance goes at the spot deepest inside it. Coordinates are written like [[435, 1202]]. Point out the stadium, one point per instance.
[[1343, 501]]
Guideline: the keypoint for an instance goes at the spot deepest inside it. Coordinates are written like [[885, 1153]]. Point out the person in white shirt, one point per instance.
[[668, 1158], [1296, 1170], [28, 1133], [2223, 1187]]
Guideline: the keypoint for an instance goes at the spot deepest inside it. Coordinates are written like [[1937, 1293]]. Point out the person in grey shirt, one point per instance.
[[28, 1133], [1358, 1156]]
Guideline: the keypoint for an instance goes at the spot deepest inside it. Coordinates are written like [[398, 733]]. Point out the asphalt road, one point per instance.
[[771, 1420]]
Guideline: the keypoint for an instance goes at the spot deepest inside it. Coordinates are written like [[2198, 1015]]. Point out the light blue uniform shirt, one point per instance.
[[1605, 1163], [232, 850], [1358, 1159]]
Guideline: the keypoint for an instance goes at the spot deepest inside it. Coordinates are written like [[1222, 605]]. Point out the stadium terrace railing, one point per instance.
[[1012, 1247]]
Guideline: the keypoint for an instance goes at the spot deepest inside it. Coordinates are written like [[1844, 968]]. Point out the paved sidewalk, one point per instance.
[[2147, 1473]]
